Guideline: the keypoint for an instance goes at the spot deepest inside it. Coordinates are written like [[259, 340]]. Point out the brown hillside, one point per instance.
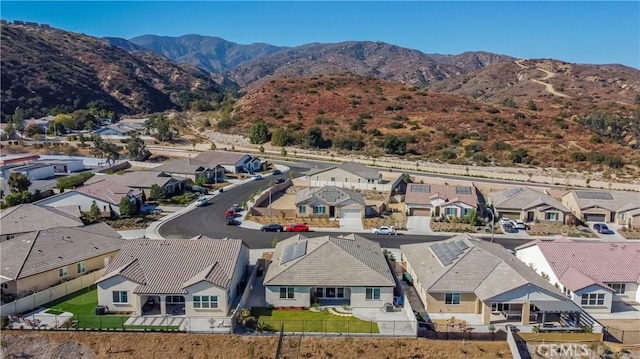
[[438, 126]]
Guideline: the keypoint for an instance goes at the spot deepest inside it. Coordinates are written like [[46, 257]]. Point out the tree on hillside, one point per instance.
[[259, 132], [160, 126], [94, 213], [281, 137], [394, 145], [18, 118], [135, 146], [111, 152], [18, 183], [314, 138], [127, 207]]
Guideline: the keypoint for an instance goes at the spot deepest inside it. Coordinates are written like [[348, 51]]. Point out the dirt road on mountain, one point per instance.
[[548, 75]]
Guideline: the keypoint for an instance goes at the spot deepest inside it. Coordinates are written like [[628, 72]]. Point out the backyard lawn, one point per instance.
[[308, 321], [82, 304]]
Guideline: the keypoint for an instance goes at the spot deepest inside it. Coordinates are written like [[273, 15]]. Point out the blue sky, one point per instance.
[[583, 32]]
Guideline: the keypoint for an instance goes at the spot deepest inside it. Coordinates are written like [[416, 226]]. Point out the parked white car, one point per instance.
[[518, 224], [383, 230], [202, 201], [504, 221]]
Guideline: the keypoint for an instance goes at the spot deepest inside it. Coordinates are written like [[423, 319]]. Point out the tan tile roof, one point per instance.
[[183, 165], [355, 168], [41, 251], [108, 191], [484, 268], [523, 198], [331, 261], [169, 266], [610, 200], [418, 193], [29, 217], [220, 157]]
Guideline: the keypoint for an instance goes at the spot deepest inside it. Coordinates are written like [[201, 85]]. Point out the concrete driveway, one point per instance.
[[351, 224], [419, 224]]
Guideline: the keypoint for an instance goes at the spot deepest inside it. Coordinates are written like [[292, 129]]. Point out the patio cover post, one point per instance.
[[163, 305], [526, 308]]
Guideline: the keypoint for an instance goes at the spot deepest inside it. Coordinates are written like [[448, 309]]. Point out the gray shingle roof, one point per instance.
[[425, 193], [351, 167], [29, 217], [220, 157], [182, 165], [486, 269], [523, 198], [169, 266], [41, 251], [330, 195], [137, 179], [331, 261]]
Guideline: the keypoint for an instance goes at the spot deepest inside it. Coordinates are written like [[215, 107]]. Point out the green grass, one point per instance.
[[82, 304], [308, 321], [151, 327]]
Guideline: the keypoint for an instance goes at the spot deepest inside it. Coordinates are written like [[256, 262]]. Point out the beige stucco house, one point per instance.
[[232, 162], [330, 201], [193, 277], [528, 205], [328, 270], [440, 200], [353, 175], [38, 260], [192, 169], [143, 180], [604, 206], [465, 275]]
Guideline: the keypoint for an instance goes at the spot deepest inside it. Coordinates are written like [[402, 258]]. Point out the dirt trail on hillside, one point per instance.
[[548, 74]]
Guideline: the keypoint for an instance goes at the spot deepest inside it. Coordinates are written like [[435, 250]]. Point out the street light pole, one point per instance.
[[269, 205]]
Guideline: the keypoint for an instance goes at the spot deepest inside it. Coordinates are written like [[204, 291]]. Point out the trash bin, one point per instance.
[[101, 310]]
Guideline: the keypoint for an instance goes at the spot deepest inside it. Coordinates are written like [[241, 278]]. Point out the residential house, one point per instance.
[[143, 180], [42, 122], [528, 205], [330, 201], [232, 162], [467, 275], [107, 195], [604, 206], [194, 277], [440, 200], [33, 171], [354, 175], [25, 218], [118, 130], [192, 169], [593, 274], [41, 259], [329, 270]]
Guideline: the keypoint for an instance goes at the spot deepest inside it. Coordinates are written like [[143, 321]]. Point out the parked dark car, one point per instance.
[[272, 227], [198, 189], [509, 229], [231, 221], [602, 228], [279, 180], [276, 172]]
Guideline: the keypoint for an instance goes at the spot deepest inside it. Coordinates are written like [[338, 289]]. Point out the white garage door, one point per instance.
[[350, 213], [593, 217]]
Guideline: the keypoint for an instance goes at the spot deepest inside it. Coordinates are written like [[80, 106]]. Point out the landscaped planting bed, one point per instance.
[[633, 233], [298, 320]]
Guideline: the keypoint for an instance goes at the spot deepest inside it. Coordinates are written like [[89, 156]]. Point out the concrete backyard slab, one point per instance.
[[389, 323], [47, 320]]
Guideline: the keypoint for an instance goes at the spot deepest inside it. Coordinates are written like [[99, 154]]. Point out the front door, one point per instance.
[[529, 216], [332, 211]]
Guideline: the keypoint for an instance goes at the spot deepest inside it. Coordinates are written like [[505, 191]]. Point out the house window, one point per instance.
[[370, 181], [62, 272], [302, 209], [175, 299], [346, 179], [332, 179], [317, 178], [450, 211], [81, 267], [120, 296], [551, 216], [566, 292], [499, 307], [619, 288], [623, 216], [358, 180], [4, 285], [287, 293], [319, 210], [205, 301], [104, 208], [592, 299], [465, 211], [452, 298], [372, 294]]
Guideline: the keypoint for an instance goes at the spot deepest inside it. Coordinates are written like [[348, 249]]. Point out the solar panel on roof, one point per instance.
[[448, 252], [513, 191], [594, 195], [463, 190], [422, 188], [293, 251]]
